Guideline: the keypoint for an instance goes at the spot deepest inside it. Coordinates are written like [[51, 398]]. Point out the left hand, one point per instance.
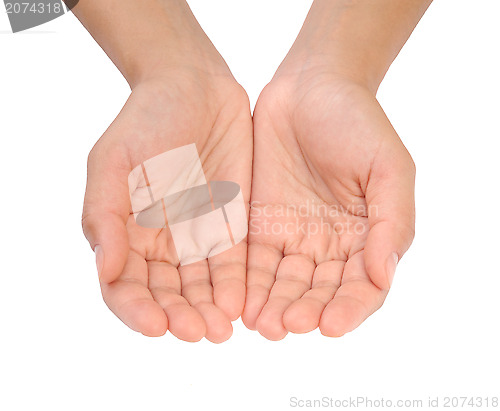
[[324, 143]]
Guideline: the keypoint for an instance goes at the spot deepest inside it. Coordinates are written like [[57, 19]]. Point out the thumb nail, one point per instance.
[[392, 263], [99, 259]]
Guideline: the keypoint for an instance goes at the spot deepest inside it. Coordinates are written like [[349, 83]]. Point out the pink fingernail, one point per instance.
[[392, 263], [99, 259]]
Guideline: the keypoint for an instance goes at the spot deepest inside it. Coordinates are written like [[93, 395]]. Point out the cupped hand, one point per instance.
[[140, 276], [332, 206]]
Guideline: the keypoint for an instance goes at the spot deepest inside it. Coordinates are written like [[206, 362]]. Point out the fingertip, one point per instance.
[[382, 253], [271, 327], [186, 323], [391, 264], [334, 327], [109, 238], [331, 332], [271, 333], [220, 334], [194, 333], [300, 317], [218, 325], [145, 317], [229, 296], [249, 320], [99, 259], [254, 303], [155, 328], [341, 316]]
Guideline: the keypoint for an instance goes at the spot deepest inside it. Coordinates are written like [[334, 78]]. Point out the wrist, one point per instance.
[[307, 67], [182, 50], [180, 62], [186, 82], [353, 39], [150, 37]]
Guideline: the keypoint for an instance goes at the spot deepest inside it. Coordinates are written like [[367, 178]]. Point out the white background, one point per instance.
[[438, 332]]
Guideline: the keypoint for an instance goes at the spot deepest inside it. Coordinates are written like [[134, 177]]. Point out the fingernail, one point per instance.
[[99, 259], [392, 263]]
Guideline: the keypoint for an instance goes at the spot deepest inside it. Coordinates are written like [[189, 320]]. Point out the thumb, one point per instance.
[[390, 197], [106, 209]]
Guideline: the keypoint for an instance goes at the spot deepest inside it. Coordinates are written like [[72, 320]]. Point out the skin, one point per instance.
[[197, 101], [320, 138]]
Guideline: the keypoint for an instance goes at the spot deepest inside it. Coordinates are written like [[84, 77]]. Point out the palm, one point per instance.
[[152, 292], [314, 155]]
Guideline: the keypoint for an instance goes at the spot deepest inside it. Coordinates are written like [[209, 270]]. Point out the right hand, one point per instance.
[[139, 272]]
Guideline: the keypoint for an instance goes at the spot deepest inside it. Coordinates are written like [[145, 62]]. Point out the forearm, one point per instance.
[[146, 37], [356, 38]]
